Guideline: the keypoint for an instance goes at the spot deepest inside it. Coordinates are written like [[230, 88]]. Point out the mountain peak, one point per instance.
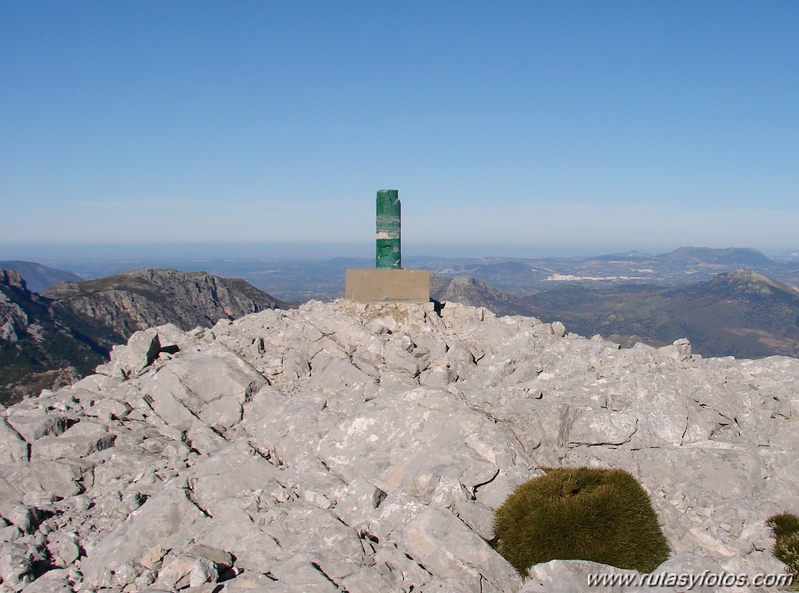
[[738, 256], [12, 279], [753, 277], [748, 275], [476, 292]]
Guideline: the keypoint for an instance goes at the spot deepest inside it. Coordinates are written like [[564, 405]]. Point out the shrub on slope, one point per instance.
[[786, 530], [602, 515]]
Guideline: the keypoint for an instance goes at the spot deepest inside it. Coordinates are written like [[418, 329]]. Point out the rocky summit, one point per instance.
[[364, 448]]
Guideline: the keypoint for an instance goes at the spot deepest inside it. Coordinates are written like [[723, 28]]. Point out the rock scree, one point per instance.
[[365, 448]]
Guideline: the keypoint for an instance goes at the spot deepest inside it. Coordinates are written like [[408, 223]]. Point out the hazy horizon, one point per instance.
[[63, 254]]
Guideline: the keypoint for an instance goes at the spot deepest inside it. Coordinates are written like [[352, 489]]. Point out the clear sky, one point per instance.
[[541, 126]]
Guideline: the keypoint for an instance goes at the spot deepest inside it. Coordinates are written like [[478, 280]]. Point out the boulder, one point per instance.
[[141, 351]]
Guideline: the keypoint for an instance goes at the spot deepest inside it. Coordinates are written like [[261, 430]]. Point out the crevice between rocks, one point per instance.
[[324, 574], [189, 491], [476, 487]]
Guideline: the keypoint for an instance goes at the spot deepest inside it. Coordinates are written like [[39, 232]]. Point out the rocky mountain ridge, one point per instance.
[[37, 350], [138, 299], [345, 447], [476, 293], [12, 316], [69, 329]]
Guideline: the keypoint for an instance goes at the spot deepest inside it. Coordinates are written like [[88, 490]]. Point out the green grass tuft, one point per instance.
[[786, 530], [602, 515]]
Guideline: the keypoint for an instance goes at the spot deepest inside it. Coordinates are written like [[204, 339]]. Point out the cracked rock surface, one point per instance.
[[364, 448]]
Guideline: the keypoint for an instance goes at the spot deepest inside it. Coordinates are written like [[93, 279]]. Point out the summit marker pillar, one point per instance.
[[389, 282], [389, 223]]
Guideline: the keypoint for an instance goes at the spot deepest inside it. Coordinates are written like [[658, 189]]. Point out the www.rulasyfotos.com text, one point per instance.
[[690, 580]]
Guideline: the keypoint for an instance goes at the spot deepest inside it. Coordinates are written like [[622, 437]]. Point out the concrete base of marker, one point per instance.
[[387, 286]]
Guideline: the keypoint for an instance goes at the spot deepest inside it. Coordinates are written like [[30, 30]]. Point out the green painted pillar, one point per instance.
[[388, 230]]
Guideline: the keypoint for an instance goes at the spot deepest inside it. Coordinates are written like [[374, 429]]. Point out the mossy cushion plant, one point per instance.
[[602, 515], [786, 530]]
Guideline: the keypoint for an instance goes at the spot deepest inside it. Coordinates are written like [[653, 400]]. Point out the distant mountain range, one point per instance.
[[55, 337], [301, 280], [70, 327], [296, 279], [686, 265], [740, 313]]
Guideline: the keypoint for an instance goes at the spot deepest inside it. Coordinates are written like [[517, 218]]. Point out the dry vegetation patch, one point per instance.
[[602, 515]]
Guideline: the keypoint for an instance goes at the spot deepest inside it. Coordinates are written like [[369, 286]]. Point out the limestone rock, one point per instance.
[[19, 515], [343, 446], [159, 521], [447, 547], [12, 446], [141, 351], [53, 581], [35, 424]]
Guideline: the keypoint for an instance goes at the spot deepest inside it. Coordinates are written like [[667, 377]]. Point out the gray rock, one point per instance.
[[254, 549], [213, 374], [398, 509], [228, 475], [165, 516], [357, 503], [53, 581], [204, 440], [222, 559], [177, 573], [16, 566], [253, 581], [52, 448], [59, 479], [35, 424], [62, 548], [18, 515], [367, 580], [291, 428], [365, 447], [602, 427], [413, 439], [141, 351], [203, 571], [462, 583], [12, 446], [108, 409], [478, 517], [448, 548], [302, 573]]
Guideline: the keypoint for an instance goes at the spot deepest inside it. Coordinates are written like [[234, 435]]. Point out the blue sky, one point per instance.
[[533, 127]]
